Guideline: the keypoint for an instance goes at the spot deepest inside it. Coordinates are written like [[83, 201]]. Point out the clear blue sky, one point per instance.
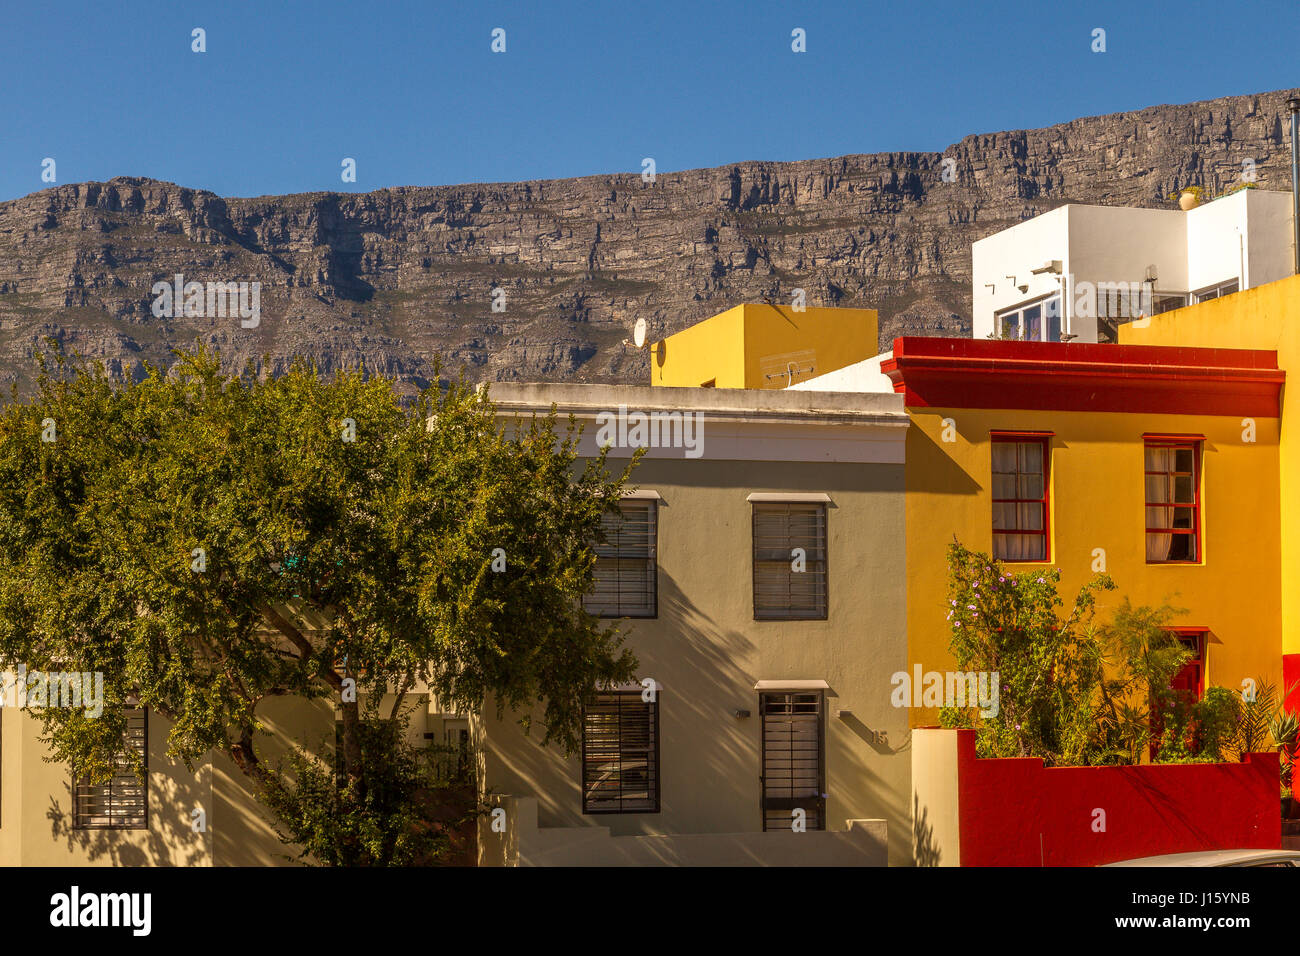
[[413, 92]]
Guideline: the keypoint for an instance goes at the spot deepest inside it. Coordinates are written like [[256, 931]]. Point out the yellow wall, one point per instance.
[[741, 347], [1266, 317], [1097, 494]]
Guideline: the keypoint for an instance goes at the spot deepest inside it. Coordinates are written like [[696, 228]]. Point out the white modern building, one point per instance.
[[1075, 273]]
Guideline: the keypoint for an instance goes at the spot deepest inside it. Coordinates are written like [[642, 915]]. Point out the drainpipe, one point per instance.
[[1293, 105]]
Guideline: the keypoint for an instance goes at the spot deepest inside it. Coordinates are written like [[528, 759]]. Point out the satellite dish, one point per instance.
[[638, 333]]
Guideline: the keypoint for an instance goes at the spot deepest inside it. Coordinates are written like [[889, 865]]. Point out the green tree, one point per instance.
[[208, 542]]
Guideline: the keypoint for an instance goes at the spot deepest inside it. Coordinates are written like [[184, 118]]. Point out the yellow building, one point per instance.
[[763, 346], [1156, 466], [1265, 317], [1098, 426]]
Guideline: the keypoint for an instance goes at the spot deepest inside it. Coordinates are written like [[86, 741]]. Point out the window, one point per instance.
[[1020, 513], [789, 561], [123, 802], [1190, 681], [1167, 302], [1216, 291], [1188, 686], [1173, 509], [626, 575], [620, 754], [1037, 322]]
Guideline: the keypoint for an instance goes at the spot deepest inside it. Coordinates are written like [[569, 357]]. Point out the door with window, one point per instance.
[[793, 759]]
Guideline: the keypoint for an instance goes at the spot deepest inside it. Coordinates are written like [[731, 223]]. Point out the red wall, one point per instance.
[[1006, 806], [1291, 675]]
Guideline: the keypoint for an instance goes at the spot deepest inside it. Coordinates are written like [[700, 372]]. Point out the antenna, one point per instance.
[[638, 335]]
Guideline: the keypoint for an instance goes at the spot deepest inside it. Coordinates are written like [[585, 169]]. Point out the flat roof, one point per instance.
[[722, 403]]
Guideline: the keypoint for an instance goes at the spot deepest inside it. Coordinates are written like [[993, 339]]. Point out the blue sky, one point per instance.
[[413, 92]]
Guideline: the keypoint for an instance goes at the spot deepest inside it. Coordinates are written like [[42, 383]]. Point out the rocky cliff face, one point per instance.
[[399, 276]]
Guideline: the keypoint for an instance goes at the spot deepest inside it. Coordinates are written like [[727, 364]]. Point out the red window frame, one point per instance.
[[1194, 443], [1193, 638], [1045, 440], [1196, 639]]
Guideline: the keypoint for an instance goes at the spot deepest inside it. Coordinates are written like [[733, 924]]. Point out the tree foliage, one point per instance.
[[208, 542], [1075, 691]]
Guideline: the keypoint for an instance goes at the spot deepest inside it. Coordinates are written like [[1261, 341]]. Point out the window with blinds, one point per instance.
[[620, 754], [789, 561], [123, 802], [626, 570]]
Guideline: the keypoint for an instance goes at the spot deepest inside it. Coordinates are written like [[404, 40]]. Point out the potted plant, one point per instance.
[[1189, 197]]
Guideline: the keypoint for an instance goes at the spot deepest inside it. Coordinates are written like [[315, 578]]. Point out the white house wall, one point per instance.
[[1014, 252]]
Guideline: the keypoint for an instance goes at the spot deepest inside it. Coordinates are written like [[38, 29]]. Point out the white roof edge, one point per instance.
[[792, 685], [789, 496], [642, 493]]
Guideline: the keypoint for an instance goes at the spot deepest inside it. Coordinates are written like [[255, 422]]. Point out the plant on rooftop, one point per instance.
[[316, 549]]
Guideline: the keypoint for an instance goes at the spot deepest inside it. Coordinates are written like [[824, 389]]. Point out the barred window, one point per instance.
[[122, 803], [789, 561], [620, 754], [626, 564]]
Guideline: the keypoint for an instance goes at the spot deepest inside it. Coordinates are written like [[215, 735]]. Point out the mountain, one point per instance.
[[397, 276]]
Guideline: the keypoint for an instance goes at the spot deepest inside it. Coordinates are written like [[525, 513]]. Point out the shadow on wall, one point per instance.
[[696, 663], [170, 839], [710, 759], [930, 469], [923, 846]]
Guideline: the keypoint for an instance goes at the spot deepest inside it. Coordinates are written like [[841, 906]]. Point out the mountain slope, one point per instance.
[[397, 276]]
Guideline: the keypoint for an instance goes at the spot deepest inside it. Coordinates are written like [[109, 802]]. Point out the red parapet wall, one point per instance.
[[1016, 812]]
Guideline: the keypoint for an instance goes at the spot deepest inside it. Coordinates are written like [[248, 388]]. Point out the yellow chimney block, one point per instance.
[[763, 346]]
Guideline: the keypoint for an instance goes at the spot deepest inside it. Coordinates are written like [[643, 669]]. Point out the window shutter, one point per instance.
[[626, 572], [780, 591]]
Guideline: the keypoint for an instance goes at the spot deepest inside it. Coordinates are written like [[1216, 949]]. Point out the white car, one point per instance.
[[1219, 858]]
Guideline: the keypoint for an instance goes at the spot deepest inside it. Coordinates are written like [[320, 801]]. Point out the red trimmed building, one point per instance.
[[1156, 465]]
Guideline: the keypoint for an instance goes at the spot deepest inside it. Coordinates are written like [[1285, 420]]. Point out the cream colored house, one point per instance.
[[758, 572], [179, 817]]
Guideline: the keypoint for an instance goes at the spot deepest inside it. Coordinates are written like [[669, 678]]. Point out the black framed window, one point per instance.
[[789, 561], [626, 575], [620, 754], [122, 803]]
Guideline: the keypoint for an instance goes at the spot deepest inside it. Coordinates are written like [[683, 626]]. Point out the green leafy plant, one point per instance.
[[1072, 691], [210, 542]]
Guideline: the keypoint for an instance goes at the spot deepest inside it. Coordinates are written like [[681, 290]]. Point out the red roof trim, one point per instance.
[[1161, 436], [977, 373]]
